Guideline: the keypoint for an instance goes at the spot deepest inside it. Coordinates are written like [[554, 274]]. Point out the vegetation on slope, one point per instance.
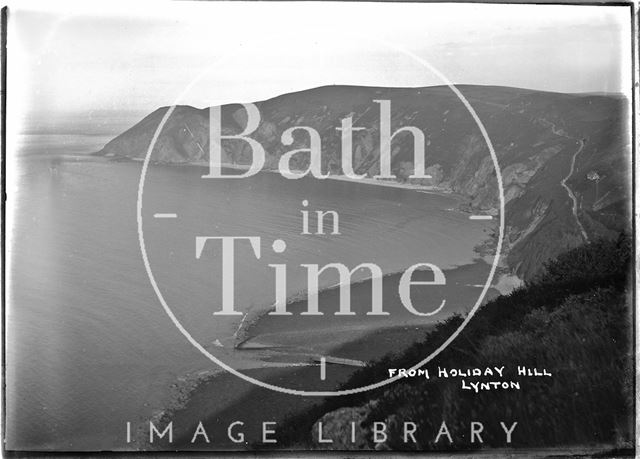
[[535, 135], [574, 319]]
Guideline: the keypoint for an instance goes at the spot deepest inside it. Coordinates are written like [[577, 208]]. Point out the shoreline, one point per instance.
[[203, 401], [344, 178], [504, 283], [252, 319], [222, 397], [428, 189], [195, 386]]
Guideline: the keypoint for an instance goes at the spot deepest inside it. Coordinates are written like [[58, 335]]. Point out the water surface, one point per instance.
[[88, 344]]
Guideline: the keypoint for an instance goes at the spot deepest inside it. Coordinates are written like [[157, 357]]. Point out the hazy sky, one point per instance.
[[138, 56]]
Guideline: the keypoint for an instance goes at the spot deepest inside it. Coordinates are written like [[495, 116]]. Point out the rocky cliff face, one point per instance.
[[537, 137]]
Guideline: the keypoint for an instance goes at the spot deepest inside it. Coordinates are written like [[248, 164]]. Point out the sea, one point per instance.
[[89, 346]]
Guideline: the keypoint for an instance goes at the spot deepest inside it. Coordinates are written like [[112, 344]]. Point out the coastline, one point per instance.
[[190, 389], [220, 397], [365, 180], [294, 301], [344, 178], [256, 322]]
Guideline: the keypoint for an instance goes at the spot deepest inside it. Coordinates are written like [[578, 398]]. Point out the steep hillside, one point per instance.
[[575, 322], [565, 159]]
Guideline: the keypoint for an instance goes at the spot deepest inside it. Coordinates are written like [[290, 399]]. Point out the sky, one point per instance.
[[137, 56]]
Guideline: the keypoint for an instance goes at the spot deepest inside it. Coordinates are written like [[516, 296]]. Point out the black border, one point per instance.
[[4, 17], [3, 179]]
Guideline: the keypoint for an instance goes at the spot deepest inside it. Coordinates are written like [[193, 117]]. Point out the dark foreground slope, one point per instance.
[[537, 137], [574, 320]]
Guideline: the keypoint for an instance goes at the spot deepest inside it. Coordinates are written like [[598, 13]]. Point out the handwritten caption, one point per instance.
[[478, 379]]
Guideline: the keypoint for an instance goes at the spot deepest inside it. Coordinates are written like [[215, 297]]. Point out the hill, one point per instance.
[[564, 158], [575, 320]]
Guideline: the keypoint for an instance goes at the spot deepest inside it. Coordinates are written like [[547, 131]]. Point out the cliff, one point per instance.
[[564, 158]]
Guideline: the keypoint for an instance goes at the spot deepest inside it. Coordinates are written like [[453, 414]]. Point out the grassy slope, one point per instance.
[[575, 320]]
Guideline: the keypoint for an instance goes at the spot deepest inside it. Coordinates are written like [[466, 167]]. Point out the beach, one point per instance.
[[221, 399]]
